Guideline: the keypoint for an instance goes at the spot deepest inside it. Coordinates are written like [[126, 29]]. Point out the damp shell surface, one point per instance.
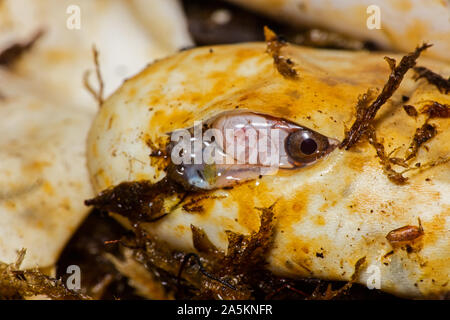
[[328, 215]]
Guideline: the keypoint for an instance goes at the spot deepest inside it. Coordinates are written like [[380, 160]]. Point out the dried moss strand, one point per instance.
[[435, 79], [366, 115]]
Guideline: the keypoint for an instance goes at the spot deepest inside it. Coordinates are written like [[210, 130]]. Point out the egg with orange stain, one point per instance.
[[329, 213]]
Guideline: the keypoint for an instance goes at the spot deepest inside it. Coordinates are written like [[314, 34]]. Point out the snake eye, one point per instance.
[[250, 145], [304, 146]]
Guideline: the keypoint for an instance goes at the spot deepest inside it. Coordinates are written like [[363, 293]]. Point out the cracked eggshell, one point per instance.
[[45, 111], [404, 24], [44, 179], [328, 215], [124, 32]]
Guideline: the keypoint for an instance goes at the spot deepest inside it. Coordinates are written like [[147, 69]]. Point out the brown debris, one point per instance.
[[210, 274], [194, 203], [365, 116], [285, 66], [98, 95], [201, 242], [187, 259], [13, 53], [393, 175], [229, 275], [405, 234], [422, 135], [437, 110], [410, 110], [363, 104], [160, 155], [440, 82], [21, 284], [140, 201], [331, 294], [244, 251]]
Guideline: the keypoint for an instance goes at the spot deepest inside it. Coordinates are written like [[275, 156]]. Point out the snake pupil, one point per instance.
[[308, 146]]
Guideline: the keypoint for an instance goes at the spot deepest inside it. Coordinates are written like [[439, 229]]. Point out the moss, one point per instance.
[[22, 284], [365, 115], [440, 82], [285, 66]]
